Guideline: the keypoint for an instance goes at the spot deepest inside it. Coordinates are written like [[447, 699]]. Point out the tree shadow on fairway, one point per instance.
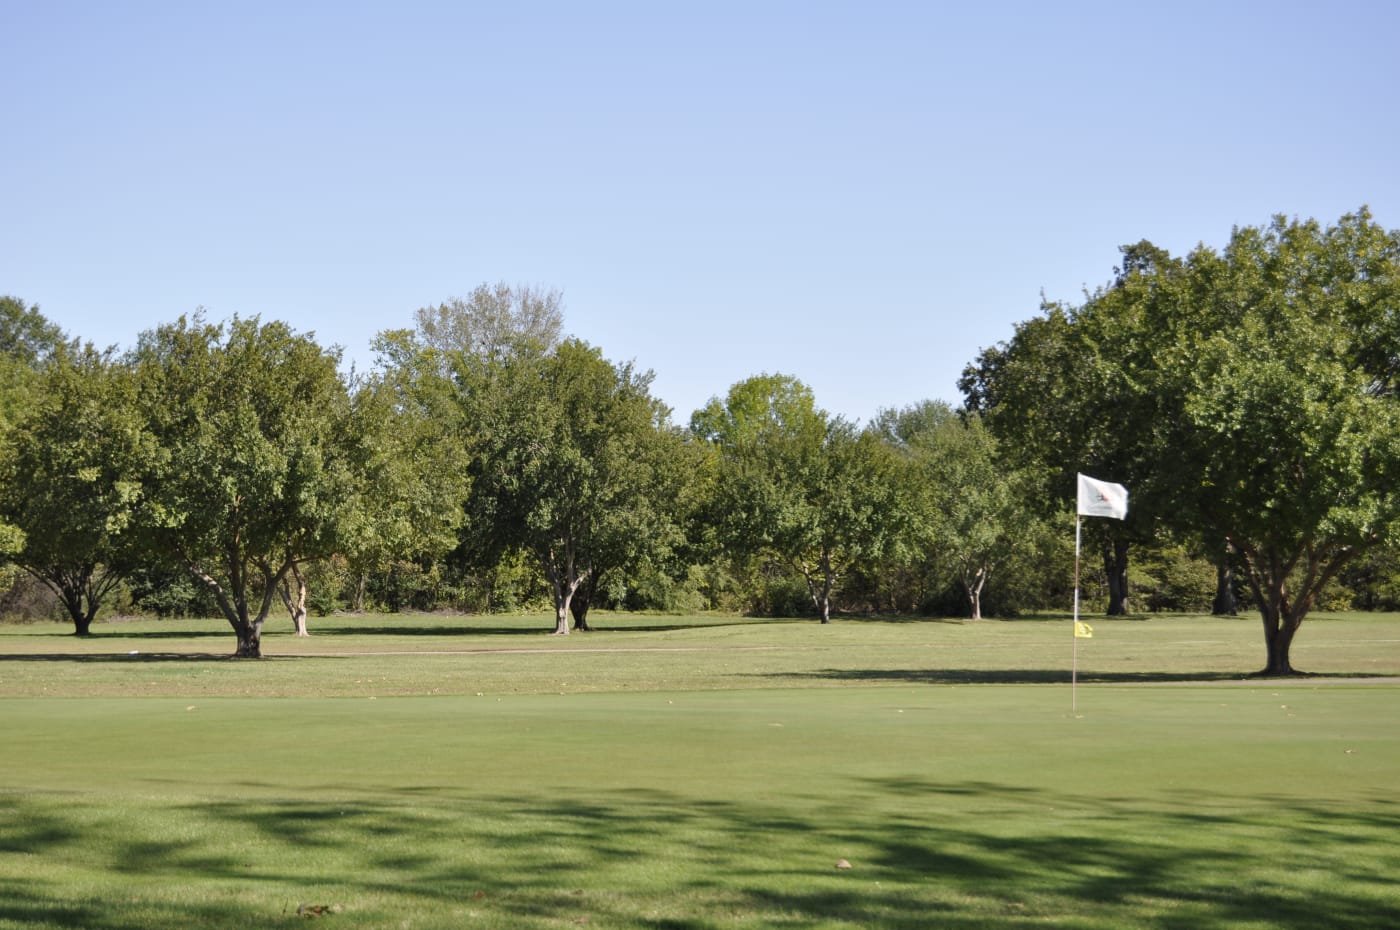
[[123, 657], [531, 627], [111, 631], [983, 676], [415, 630], [961, 856]]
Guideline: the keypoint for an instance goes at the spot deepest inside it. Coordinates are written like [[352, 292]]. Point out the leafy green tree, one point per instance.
[[70, 478], [966, 508], [410, 465], [255, 477], [1286, 364], [981, 516], [26, 335], [795, 484], [573, 462], [27, 340]]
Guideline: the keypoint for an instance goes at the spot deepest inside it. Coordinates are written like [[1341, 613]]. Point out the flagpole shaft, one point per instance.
[[1074, 627]]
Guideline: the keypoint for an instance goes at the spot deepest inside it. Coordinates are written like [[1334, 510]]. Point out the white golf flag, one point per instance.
[[1102, 498]]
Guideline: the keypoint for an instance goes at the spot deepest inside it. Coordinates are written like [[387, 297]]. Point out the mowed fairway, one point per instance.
[[423, 772]]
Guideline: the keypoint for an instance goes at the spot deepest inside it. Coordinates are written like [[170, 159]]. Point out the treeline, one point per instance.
[[487, 462]]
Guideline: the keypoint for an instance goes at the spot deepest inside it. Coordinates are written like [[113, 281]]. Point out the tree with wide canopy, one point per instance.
[[70, 477], [574, 462], [254, 478]]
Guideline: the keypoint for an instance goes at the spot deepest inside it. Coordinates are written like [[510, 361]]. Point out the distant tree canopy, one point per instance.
[[795, 484]]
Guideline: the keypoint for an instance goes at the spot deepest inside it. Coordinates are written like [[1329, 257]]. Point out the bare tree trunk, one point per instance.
[[820, 588], [1115, 564], [293, 591], [974, 585]]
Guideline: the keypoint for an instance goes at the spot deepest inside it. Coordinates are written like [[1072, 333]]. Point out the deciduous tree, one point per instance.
[[796, 484], [572, 462], [70, 477], [256, 479]]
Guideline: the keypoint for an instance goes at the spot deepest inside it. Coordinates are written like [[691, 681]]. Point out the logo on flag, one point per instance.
[[1102, 498], [1083, 630]]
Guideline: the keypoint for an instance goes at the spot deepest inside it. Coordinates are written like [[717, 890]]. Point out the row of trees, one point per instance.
[[1247, 397], [484, 446]]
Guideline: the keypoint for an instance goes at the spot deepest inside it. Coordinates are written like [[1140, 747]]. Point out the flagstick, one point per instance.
[[1074, 627]]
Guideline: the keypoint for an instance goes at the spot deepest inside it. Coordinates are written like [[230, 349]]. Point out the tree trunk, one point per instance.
[[1278, 640], [564, 580], [249, 640], [578, 607], [293, 592], [82, 619], [583, 599], [820, 591], [1115, 564], [1225, 603], [359, 605], [72, 599], [1270, 575], [1282, 615], [974, 592]]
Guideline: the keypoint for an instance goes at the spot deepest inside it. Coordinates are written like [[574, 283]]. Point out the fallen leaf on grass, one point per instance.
[[312, 911]]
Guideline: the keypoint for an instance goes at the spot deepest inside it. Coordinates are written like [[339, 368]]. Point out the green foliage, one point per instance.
[[71, 477], [27, 341], [1246, 395], [1374, 579], [252, 420], [168, 591], [575, 463], [795, 485], [407, 455], [1170, 578], [26, 335]]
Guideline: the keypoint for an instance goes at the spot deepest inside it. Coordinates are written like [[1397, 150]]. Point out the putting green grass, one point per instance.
[[700, 774]]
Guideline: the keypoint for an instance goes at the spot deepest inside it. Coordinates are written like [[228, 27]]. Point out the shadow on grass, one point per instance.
[[982, 676], [79, 658], [923, 854], [532, 628], [114, 631]]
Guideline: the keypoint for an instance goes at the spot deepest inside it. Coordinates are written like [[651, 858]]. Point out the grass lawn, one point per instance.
[[424, 772]]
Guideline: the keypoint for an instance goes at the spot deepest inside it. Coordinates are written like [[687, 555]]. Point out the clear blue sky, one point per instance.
[[860, 194]]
